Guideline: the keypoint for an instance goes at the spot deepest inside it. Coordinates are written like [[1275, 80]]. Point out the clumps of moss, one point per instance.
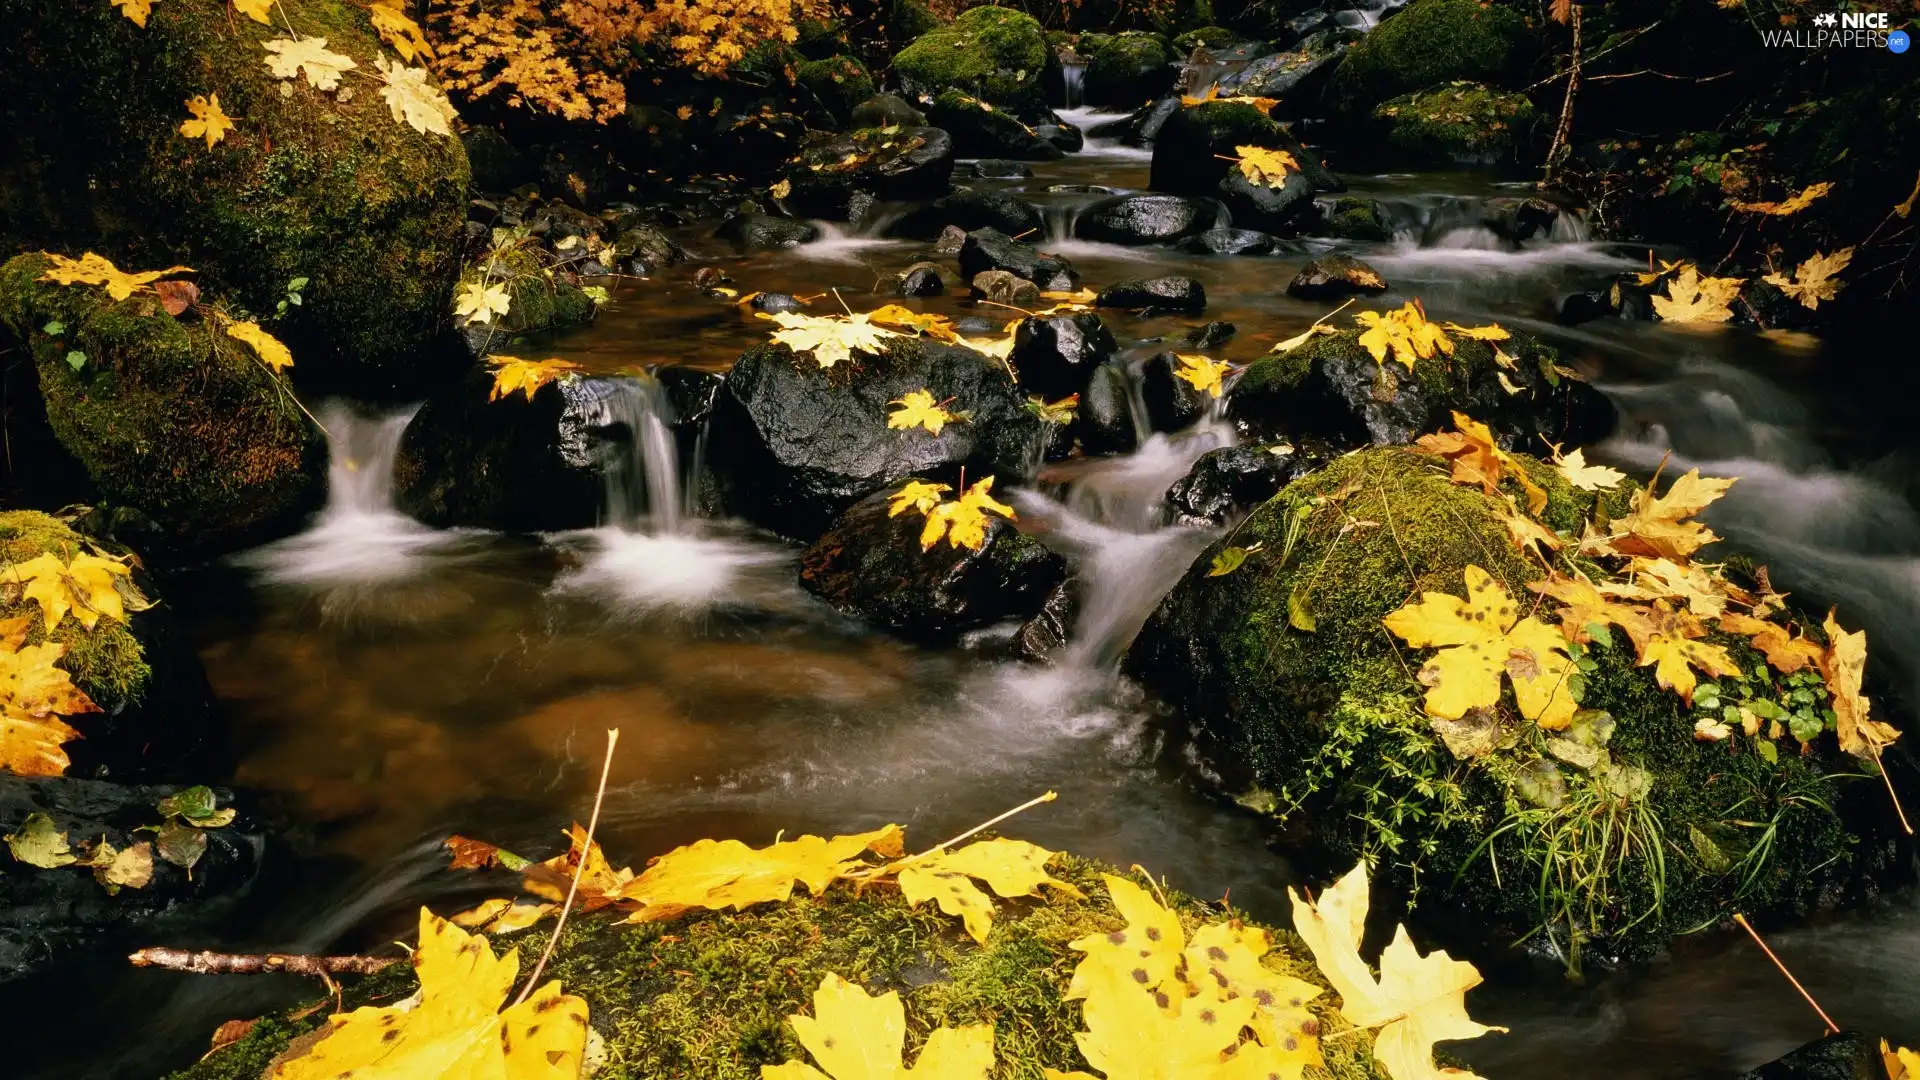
[[837, 83], [706, 997], [1353, 217], [539, 300], [166, 415], [1427, 43], [1461, 122], [993, 53], [1129, 68], [107, 662]]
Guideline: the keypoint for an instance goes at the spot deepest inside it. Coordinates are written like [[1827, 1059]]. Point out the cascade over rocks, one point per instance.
[[971, 210], [870, 565], [760, 232], [1055, 356], [1104, 423], [794, 445], [1332, 388], [990, 249], [1146, 219]]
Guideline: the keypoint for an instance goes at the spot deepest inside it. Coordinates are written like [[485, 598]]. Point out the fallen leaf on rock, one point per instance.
[[207, 121], [511, 373], [1404, 334], [1201, 372], [92, 269], [1901, 1063], [480, 301], [271, 351], [1659, 526], [964, 520], [1574, 468], [916, 495], [1009, 867], [1229, 559], [38, 843], [1145, 952], [918, 409], [830, 338], [257, 10], [1480, 638], [33, 695], [1264, 166], [1303, 337], [1490, 332], [934, 326], [290, 58], [415, 101], [719, 874], [127, 868], [229, 1033], [854, 1035], [85, 587], [177, 296], [504, 916], [1673, 651], [1478, 460]]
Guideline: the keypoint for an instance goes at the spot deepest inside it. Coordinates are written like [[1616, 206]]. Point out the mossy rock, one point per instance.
[[540, 299], [837, 83], [1206, 37], [307, 185], [707, 996], [1332, 388], [980, 130], [1128, 70], [1352, 217], [165, 416], [1460, 123], [993, 53], [153, 721], [1328, 725], [1427, 43]]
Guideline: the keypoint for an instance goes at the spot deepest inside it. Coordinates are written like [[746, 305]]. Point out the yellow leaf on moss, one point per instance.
[[84, 586], [413, 100], [1223, 962], [268, 348], [259, 11], [1586, 606], [1201, 372], [34, 694], [1575, 470], [1844, 666], [456, 1031], [1489, 332], [718, 874], [905, 318], [854, 1035], [1901, 1063], [1145, 952], [1673, 651], [1692, 298], [918, 409], [830, 338], [1813, 280], [1404, 334], [964, 521], [1660, 527], [92, 269], [1264, 166], [1416, 1001], [1791, 205], [511, 373], [1477, 459], [137, 10], [397, 30], [479, 302], [1481, 638], [208, 120], [1784, 651], [290, 58], [1009, 867]]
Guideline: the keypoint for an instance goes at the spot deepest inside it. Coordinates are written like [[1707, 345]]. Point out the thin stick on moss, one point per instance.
[[1832, 1028], [573, 887], [217, 963], [945, 844]]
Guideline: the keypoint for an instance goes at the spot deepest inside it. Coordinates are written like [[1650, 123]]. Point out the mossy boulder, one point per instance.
[[1332, 388], [836, 84], [1206, 37], [153, 721], [1129, 69], [167, 417], [707, 996], [326, 186], [540, 299], [993, 53], [1194, 150], [1353, 217], [1427, 43], [1461, 123], [1614, 835], [981, 130]]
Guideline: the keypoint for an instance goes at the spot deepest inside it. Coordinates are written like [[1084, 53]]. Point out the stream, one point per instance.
[[394, 684]]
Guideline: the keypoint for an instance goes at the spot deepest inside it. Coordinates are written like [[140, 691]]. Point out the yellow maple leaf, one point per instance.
[[1200, 372], [512, 373], [1901, 1063], [1477, 459], [479, 302], [1813, 280], [1692, 298], [781, 189], [456, 1030], [413, 100], [918, 409], [259, 11], [718, 874], [916, 495], [1489, 332], [1785, 651], [92, 269], [1659, 527], [1574, 468], [1648, 277], [503, 916], [1131, 1035], [1302, 338], [1587, 607], [1145, 952], [137, 10], [1264, 166], [964, 521], [600, 885], [905, 318], [854, 1035], [1673, 651], [34, 694], [208, 121], [397, 30], [1213, 95], [1703, 592], [290, 58], [1481, 638], [830, 338], [996, 348], [85, 586], [1416, 1001], [1223, 962], [1009, 867], [271, 351], [1405, 334], [1791, 205], [1844, 666]]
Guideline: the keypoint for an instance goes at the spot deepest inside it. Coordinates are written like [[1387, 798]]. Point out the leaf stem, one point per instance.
[[573, 887], [1832, 1028], [943, 845]]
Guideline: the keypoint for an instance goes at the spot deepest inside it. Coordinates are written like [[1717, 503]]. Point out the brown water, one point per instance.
[[393, 684]]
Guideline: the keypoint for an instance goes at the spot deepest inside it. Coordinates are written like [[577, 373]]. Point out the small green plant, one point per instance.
[[1765, 706], [293, 297]]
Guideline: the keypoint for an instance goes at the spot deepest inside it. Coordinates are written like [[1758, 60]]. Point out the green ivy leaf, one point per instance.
[[54, 326], [76, 359]]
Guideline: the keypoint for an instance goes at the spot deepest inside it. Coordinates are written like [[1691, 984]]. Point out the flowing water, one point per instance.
[[392, 684]]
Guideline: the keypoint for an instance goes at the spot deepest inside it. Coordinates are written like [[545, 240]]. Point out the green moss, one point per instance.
[[706, 997], [107, 661], [1428, 43], [307, 185], [539, 301], [166, 416], [1461, 122], [993, 53], [1330, 723], [1207, 36], [1356, 218], [1129, 68], [838, 83]]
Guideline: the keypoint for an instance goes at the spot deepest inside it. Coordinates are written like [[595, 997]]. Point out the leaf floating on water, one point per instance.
[[854, 1035], [1692, 298]]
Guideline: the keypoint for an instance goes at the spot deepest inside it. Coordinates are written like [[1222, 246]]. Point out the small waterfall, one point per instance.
[[1072, 78], [643, 488], [1365, 14]]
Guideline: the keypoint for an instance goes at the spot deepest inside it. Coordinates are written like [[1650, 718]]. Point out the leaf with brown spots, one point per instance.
[[456, 1031], [1480, 638]]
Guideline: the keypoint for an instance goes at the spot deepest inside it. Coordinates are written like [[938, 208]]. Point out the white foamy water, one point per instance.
[[639, 573], [1112, 149], [839, 242]]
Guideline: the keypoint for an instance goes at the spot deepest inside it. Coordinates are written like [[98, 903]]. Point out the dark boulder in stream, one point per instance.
[[830, 174], [1127, 69], [991, 249], [1147, 219], [46, 912], [1172, 403], [981, 131], [1332, 388], [1055, 356], [794, 445], [760, 232], [1227, 482], [970, 210], [1335, 277], [994, 54], [1195, 149], [1229, 242], [1104, 422], [1844, 1055], [887, 110], [870, 565], [1161, 293]]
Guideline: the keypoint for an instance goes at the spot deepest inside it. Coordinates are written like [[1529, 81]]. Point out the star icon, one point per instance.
[[1825, 18]]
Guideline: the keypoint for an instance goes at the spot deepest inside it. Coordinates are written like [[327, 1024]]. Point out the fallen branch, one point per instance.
[[215, 963], [1832, 1028]]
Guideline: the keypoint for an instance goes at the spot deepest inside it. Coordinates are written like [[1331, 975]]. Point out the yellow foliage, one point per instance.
[[1785, 652], [1574, 469], [1901, 1063], [413, 100], [918, 409], [1791, 205], [1813, 280], [1477, 459], [271, 351], [1405, 334], [400, 32], [1659, 527], [964, 520], [260, 11], [1202, 373], [1673, 651], [904, 318], [916, 495], [1694, 298], [207, 121], [456, 1031], [719, 874], [830, 338], [1843, 666], [511, 373], [310, 56], [1480, 638], [1009, 867], [1264, 104], [86, 587], [137, 10], [91, 269], [1264, 166], [856, 1036], [33, 696], [480, 301]]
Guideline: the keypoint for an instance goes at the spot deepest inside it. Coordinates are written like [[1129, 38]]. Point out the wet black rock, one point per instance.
[[1292, 79], [889, 164], [643, 250], [1068, 138], [887, 110], [1227, 482], [970, 210], [1172, 403], [922, 279], [1194, 150], [1335, 277], [1211, 335], [46, 913], [1147, 219], [1161, 293], [794, 445], [1041, 638], [991, 249], [1229, 242], [1845, 1055], [1287, 208], [870, 565], [980, 131], [1104, 421], [758, 232], [1002, 287], [1578, 307], [995, 169], [775, 302], [1056, 356], [1519, 220]]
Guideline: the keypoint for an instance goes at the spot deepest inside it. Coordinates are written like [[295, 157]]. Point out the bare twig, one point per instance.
[[586, 846], [1564, 128], [217, 963], [1891, 794], [1832, 1027]]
